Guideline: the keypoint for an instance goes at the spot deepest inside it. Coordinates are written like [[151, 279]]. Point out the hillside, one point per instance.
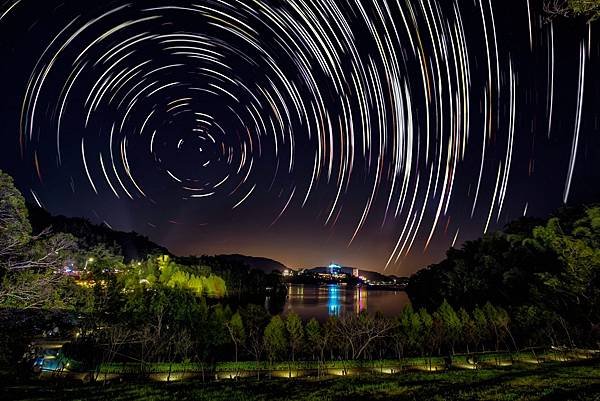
[[131, 245], [255, 263]]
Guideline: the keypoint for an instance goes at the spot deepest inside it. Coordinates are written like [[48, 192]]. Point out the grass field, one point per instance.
[[485, 360], [552, 381]]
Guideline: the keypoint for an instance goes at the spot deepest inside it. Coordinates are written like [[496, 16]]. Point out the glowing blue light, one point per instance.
[[333, 303]]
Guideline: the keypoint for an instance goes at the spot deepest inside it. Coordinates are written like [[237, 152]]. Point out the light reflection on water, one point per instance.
[[332, 300]]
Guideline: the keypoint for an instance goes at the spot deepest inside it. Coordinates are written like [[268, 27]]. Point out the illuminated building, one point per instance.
[[334, 269]]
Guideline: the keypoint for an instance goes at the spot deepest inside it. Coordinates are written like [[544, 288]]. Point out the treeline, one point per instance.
[[244, 284], [366, 337], [544, 273], [188, 332], [200, 281]]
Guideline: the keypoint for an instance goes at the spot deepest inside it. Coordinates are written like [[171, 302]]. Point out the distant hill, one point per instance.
[[257, 263], [131, 245]]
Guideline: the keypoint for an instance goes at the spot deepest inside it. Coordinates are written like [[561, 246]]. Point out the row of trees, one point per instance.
[[364, 336], [169, 328]]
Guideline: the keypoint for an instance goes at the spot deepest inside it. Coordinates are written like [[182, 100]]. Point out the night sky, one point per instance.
[[374, 133]]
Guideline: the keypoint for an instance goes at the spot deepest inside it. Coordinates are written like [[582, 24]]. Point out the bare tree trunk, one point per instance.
[[564, 326]]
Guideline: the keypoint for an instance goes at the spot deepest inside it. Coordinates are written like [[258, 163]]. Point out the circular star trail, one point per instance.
[[408, 118]]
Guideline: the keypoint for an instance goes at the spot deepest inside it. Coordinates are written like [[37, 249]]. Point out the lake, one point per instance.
[[310, 301]]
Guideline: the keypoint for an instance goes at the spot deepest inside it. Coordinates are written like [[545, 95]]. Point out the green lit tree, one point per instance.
[[255, 319], [469, 329], [426, 335], [407, 331], [275, 340], [235, 328], [450, 325], [295, 333], [481, 328], [313, 337]]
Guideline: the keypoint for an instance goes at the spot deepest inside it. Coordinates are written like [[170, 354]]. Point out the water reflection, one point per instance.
[[332, 300], [360, 299]]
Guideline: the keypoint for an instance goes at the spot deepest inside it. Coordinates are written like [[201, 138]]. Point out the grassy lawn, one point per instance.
[[486, 359], [579, 381]]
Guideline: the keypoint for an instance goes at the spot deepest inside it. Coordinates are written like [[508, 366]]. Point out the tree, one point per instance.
[[275, 339], [469, 329], [493, 318], [589, 9], [255, 319], [503, 321], [411, 326], [114, 337], [578, 251], [451, 325], [29, 264], [295, 333], [15, 229], [215, 286], [359, 331], [313, 337], [406, 332], [481, 328], [318, 339], [235, 328], [183, 345], [427, 339]]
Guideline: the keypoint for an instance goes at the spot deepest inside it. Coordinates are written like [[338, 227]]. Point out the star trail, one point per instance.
[[377, 133]]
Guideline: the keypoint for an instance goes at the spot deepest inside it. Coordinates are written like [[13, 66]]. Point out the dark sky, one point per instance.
[[370, 133]]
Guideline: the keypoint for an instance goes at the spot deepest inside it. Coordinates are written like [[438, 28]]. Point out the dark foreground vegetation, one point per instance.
[[544, 273], [550, 382]]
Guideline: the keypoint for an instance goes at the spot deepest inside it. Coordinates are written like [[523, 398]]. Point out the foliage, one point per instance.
[[15, 229], [164, 271], [237, 333], [295, 333], [589, 9], [275, 338], [313, 336], [549, 269], [29, 263]]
